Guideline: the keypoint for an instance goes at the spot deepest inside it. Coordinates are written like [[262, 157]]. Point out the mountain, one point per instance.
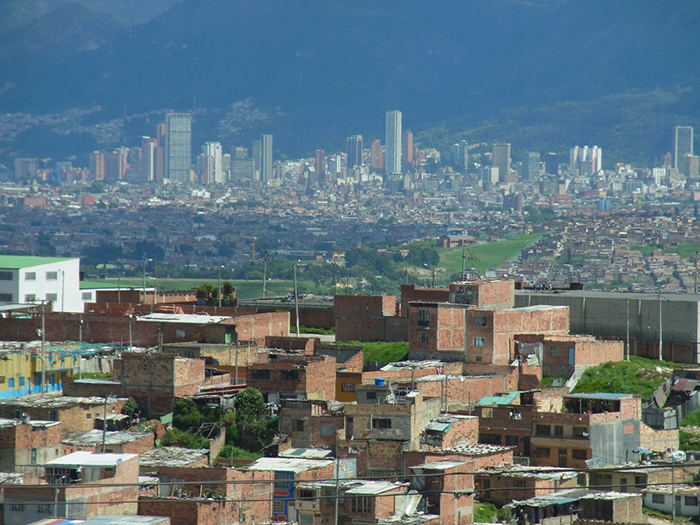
[[323, 69]]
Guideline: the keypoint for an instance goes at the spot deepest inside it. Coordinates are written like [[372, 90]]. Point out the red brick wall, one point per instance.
[[316, 374], [411, 292], [26, 437]]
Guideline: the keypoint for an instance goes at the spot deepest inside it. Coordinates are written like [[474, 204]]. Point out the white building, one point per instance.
[[660, 497], [213, 150], [392, 163], [25, 279]]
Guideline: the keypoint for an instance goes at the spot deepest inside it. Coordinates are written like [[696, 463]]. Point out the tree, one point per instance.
[[207, 293], [227, 291], [252, 421]]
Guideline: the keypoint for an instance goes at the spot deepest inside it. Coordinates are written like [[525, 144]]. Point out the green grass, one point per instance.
[[637, 376], [310, 330], [687, 250], [380, 351], [484, 512], [488, 255], [692, 419], [684, 438]]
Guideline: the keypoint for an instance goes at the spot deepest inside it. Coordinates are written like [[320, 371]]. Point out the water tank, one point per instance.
[[378, 381]]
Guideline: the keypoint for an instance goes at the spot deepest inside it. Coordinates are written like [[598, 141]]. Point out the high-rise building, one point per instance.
[[377, 154], [160, 134], [531, 166], [691, 166], [459, 156], [500, 158], [213, 150], [320, 165], [257, 158], [577, 155], [178, 147], [159, 163], [551, 163], [682, 144], [407, 148], [97, 165], [354, 151], [204, 167], [266, 158], [148, 158], [392, 162]]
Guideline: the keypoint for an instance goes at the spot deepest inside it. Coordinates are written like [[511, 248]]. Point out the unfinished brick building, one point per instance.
[[26, 442], [311, 423]]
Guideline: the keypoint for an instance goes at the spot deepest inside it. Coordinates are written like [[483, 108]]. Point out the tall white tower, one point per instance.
[[213, 149], [178, 146], [682, 144], [393, 143]]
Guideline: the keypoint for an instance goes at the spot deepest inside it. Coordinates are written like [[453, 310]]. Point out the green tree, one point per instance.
[[206, 292], [253, 424], [227, 291]]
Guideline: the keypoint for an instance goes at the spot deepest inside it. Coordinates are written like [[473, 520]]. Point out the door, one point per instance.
[[562, 457], [526, 446]]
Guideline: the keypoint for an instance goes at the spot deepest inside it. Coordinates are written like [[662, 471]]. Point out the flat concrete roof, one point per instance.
[[596, 294], [184, 318], [295, 465]]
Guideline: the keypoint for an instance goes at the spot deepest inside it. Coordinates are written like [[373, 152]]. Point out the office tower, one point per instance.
[[691, 166], [531, 166], [257, 158], [204, 168], [226, 166], [354, 151], [239, 152], [551, 164], [116, 164], [489, 175], [242, 169], [213, 150], [682, 144], [459, 156], [159, 164], [148, 156], [266, 158], [160, 134], [334, 166], [178, 147], [97, 165], [573, 160], [320, 165], [392, 160], [500, 158], [377, 154], [407, 148]]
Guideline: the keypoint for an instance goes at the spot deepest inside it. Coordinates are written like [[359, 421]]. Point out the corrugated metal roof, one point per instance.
[[295, 465], [439, 427], [499, 400], [89, 459], [183, 318]]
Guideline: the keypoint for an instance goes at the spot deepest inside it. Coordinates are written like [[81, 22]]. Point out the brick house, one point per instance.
[[74, 413], [364, 318], [447, 487], [27, 442], [87, 485], [450, 430], [283, 376], [503, 483], [311, 423], [507, 420], [115, 442]]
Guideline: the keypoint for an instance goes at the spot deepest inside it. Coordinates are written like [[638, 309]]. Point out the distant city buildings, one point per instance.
[[392, 164], [459, 156], [377, 155], [501, 159], [531, 166], [585, 160], [682, 144], [266, 158], [354, 151], [178, 147]]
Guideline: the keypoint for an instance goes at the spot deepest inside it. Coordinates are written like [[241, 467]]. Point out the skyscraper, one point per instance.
[[407, 147], [392, 162], [377, 154], [531, 166], [148, 158], [354, 151], [459, 156], [682, 144], [551, 163], [213, 150], [320, 165], [178, 147], [501, 159], [266, 158]]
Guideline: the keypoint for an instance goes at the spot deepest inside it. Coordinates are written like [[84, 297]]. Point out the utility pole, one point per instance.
[[405, 275], [155, 281], [661, 330], [335, 279], [131, 340], [218, 289], [627, 302], [63, 291], [296, 298], [104, 427], [464, 259], [695, 290], [43, 354], [433, 280], [144, 280], [337, 489], [119, 287], [264, 272]]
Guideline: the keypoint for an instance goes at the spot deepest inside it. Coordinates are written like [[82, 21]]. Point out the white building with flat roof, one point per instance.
[[27, 279]]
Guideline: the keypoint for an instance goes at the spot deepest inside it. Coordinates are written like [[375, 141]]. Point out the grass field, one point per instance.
[[488, 255], [687, 250], [380, 351]]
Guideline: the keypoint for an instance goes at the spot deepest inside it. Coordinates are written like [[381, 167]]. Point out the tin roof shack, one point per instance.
[[115, 442], [503, 483], [155, 380], [568, 505], [152, 461], [660, 497], [287, 472], [79, 485], [210, 496], [74, 413], [636, 479], [447, 488], [26, 442], [382, 425], [311, 423], [601, 426], [563, 355], [507, 420], [283, 376]]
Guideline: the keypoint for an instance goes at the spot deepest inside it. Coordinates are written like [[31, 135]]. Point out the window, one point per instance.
[[326, 430], [423, 318], [640, 481], [53, 297], [305, 494], [282, 481], [554, 351], [371, 395], [347, 387], [330, 498], [2, 382], [579, 432], [306, 518], [511, 441], [490, 439], [261, 374], [691, 501], [11, 382], [30, 276], [298, 425], [519, 484], [22, 381], [6, 297], [578, 453], [29, 298], [659, 499], [478, 358], [381, 423], [290, 374], [542, 452], [479, 320], [558, 430], [278, 507], [543, 430], [17, 507], [34, 456], [44, 508], [479, 341], [5, 276], [361, 504], [52, 276], [423, 337], [87, 296]]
